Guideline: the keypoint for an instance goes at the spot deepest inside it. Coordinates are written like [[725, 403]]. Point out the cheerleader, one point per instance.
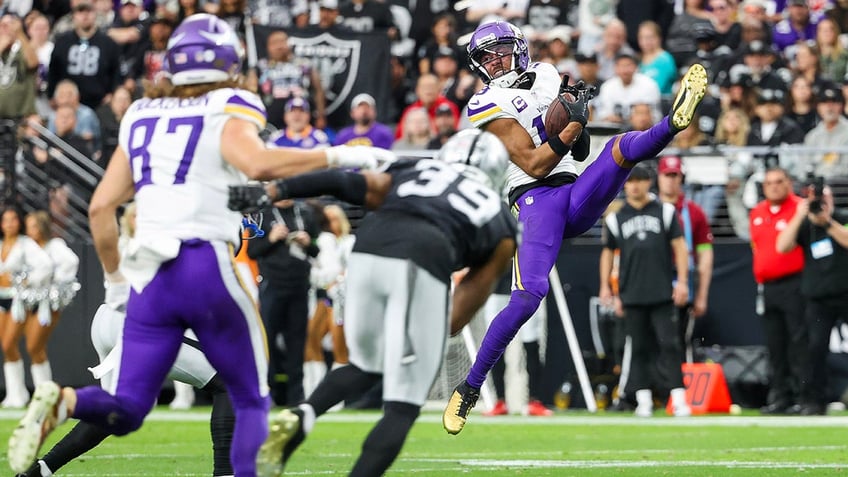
[[44, 305], [23, 266]]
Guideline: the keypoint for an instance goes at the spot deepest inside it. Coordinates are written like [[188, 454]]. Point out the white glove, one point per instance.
[[117, 294], [358, 157]]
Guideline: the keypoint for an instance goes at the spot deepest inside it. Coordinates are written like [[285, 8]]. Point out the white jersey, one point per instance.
[[180, 177], [65, 261], [528, 107]]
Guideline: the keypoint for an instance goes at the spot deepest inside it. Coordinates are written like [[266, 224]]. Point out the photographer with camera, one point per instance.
[[818, 229]]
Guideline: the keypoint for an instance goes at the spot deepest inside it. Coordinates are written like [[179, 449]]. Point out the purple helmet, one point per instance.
[[203, 49], [493, 41]]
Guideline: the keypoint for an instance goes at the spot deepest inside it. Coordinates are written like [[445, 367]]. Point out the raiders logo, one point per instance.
[[337, 63], [8, 76]]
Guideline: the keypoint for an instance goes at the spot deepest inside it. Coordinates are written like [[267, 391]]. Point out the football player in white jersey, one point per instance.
[[552, 203], [179, 149]]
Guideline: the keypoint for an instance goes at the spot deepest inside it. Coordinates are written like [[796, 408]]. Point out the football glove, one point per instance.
[[248, 198], [579, 108]]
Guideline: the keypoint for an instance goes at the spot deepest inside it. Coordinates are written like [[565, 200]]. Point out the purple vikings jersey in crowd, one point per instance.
[[379, 135], [312, 138]]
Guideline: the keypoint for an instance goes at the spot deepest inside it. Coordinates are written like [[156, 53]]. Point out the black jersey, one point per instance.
[[646, 266], [94, 64], [438, 218], [825, 274]]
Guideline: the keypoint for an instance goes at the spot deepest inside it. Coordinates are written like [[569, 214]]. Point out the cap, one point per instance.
[[137, 3], [704, 32], [363, 98], [749, 5], [583, 58], [561, 33], [670, 165], [626, 54], [445, 52], [776, 96], [831, 93], [757, 47], [797, 3], [82, 6], [297, 103], [299, 7], [329, 4], [444, 109], [163, 20], [640, 173]]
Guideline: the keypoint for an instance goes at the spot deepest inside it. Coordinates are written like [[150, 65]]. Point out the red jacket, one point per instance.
[[769, 264], [431, 111]]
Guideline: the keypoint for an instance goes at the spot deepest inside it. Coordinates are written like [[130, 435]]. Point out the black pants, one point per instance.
[[786, 339], [285, 312], [820, 317], [653, 331]]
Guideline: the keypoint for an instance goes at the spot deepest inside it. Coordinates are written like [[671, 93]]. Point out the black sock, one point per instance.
[[82, 438], [340, 384], [534, 368], [221, 427], [385, 441]]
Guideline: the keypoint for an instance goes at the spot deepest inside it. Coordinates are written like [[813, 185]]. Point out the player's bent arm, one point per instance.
[[474, 289], [539, 161], [705, 270], [606, 260], [114, 189]]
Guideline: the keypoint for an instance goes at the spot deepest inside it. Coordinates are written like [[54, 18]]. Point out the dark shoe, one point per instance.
[[813, 410], [776, 408], [461, 402]]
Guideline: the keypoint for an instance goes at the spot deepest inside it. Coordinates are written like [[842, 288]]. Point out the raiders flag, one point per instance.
[[348, 63]]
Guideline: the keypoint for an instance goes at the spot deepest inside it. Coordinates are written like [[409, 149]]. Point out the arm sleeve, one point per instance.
[[39, 265], [65, 261], [580, 149], [347, 186]]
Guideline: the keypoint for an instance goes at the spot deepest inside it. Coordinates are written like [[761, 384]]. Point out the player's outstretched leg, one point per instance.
[[45, 412], [693, 87]]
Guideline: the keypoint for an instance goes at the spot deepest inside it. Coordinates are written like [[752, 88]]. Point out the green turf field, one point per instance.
[[569, 444]]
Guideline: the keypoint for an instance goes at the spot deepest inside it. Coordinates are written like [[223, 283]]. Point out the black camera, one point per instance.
[[815, 191]]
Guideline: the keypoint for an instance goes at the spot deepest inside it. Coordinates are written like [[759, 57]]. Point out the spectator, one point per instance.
[[818, 228], [832, 131], [38, 30], [732, 130], [18, 68], [275, 13], [130, 32], [482, 11], [328, 15], [109, 116], [839, 14], [592, 20], [728, 30], [233, 12], [20, 254], [613, 43], [402, 88], [416, 131], [366, 16], [806, 64], [641, 117], [445, 127], [365, 131], [104, 11], [559, 50], [429, 98], [154, 58], [87, 57], [679, 41], [456, 85], [649, 235], [188, 8], [758, 61], [796, 28], [636, 12], [282, 76], [737, 91], [298, 132], [690, 137], [87, 124], [801, 104], [545, 15], [588, 69], [656, 63], [699, 244], [833, 57], [623, 90], [771, 127], [443, 36], [779, 278], [282, 255], [710, 52]]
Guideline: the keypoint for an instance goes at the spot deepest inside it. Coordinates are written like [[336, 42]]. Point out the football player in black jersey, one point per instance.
[[431, 217]]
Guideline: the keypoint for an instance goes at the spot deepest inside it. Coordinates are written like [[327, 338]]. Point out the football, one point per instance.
[[557, 117]]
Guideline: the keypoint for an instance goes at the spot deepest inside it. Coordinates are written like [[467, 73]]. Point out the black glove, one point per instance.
[[576, 88], [248, 198], [579, 108]]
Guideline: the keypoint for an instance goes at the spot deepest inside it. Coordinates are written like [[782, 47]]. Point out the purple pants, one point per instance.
[[549, 214], [199, 289]]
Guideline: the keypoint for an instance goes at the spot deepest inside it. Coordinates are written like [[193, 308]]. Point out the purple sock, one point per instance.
[[637, 146], [503, 329]]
